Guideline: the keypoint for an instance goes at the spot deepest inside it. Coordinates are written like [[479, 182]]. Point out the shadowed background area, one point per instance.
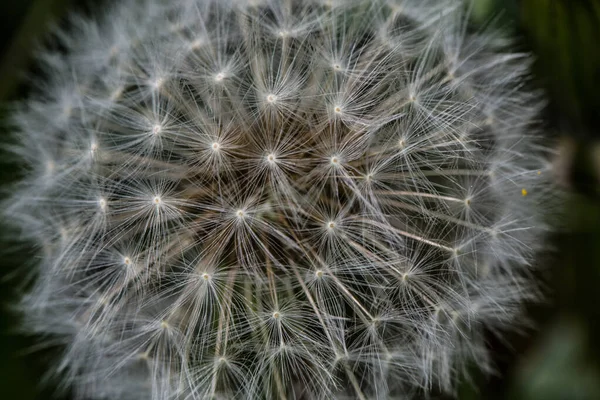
[[557, 360]]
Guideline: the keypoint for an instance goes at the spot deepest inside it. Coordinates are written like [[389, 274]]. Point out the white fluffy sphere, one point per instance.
[[278, 199]]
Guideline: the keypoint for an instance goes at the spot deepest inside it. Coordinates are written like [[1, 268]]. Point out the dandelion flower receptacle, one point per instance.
[[278, 199]]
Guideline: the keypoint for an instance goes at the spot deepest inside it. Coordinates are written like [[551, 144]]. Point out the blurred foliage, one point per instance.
[[560, 359], [564, 36]]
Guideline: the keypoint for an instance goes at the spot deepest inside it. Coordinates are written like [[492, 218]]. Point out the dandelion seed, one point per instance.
[[102, 204], [50, 167], [196, 44], [93, 147], [116, 94], [157, 83]]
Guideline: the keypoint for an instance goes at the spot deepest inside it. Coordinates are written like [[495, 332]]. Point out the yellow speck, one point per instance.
[[539, 172], [524, 192]]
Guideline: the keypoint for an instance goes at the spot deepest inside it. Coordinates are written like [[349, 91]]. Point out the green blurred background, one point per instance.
[[559, 359]]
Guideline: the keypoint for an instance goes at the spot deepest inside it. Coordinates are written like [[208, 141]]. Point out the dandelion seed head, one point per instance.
[[258, 199]]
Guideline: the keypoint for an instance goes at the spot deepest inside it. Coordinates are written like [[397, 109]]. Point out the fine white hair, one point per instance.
[[278, 199]]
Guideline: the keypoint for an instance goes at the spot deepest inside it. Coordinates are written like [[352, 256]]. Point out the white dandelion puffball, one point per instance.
[[278, 199]]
